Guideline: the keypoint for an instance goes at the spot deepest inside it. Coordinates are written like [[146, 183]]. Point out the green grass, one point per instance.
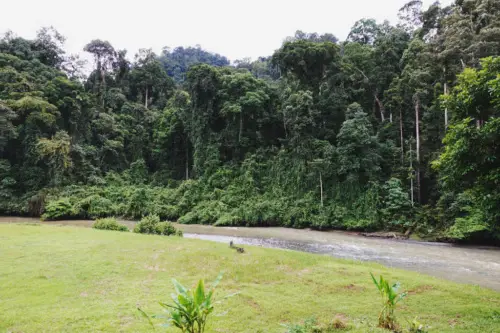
[[67, 279]]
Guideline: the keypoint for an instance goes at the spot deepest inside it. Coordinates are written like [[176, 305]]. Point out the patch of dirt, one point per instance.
[[155, 268], [126, 321], [284, 268], [84, 294], [341, 316], [353, 287], [420, 289], [453, 322], [157, 254], [253, 304], [304, 271]]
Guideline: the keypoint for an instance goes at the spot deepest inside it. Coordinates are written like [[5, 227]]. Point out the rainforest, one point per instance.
[[396, 128]]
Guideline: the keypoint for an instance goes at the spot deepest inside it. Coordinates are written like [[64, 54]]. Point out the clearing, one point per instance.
[[69, 279]]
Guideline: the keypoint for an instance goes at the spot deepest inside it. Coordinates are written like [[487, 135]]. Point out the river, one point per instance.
[[464, 264]]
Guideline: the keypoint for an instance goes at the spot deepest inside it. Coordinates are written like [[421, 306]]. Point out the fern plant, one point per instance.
[[390, 299]]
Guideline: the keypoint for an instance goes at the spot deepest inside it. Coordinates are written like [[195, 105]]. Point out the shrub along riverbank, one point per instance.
[[221, 200], [66, 279]]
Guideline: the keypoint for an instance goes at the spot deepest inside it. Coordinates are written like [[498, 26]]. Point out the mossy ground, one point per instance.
[[67, 279]]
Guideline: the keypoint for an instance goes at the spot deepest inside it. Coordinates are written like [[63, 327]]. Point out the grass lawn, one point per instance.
[[68, 279]]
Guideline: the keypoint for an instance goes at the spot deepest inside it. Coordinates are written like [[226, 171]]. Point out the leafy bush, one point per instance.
[[138, 204], [191, 307], [390, 298], [228, 220], [109, 224], [206, 212], [151, 225], [302, 212], [58, 209], [147, 225], [332, 216], [361, 224], [95, 206], [165, 228], [396, 204]]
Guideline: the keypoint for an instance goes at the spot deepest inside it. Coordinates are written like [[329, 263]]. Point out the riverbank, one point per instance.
[[67, 279], [463, 264]]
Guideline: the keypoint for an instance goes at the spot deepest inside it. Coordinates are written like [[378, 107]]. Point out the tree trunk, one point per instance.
[[411, 178], [187, 160], [241, 127], [103, 79], [146, 98], [401, 134], [96, 77], [381, 108], [321, 188], [417, 127], [446, 93]]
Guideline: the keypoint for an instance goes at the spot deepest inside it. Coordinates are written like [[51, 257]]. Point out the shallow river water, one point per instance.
[[465, 264]]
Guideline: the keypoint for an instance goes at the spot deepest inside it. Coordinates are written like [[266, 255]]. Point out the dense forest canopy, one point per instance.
[[395, 128]]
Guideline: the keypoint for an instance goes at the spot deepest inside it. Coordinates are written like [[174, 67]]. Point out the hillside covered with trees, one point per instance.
[[396, 128]]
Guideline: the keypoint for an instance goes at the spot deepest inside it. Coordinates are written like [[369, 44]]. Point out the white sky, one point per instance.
[[233, 28]]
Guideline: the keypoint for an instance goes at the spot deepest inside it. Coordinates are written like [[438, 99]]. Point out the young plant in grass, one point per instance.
[[416, 327], [390, 299], [191, 307]]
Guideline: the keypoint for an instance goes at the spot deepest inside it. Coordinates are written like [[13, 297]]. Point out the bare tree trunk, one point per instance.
[[381, 107], [401, 134], [321, 188], [417, 126], [146, 98]]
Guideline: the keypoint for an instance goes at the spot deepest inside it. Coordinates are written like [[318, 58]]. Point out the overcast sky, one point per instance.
[[233, 28]]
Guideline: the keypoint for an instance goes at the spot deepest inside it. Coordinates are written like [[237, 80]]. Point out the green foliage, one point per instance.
[[468, 167], [94, 206], [138, 203], [191, 307], [109, 224], [167, 229], [358, 150], [415, 326], [178, 61], [151, 224], [390, 299], [58, 210], [322, 134], [312, 326], [396, 204], [147, 225]]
